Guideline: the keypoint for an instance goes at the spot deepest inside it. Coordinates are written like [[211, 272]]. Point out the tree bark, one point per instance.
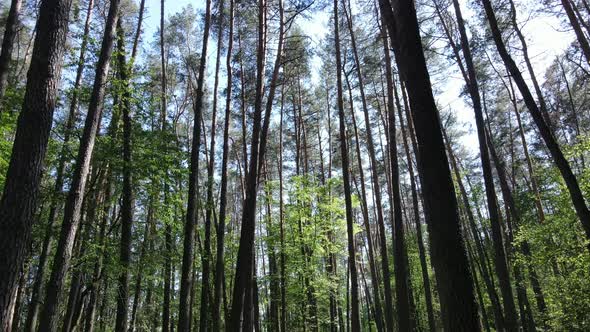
[[400, 256], [403, 316], [510, 315], [21, 189], [33, 310], [8, 44], [354, 317], [454, 281], [567, 6], [245, 261], [186, 281], [219, 262], [365, 212], [73, 205]]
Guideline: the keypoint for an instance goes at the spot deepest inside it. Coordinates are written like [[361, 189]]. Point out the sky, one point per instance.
[[545, 38]]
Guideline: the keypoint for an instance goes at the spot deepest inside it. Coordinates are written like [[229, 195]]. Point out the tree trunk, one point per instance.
[[245, 260], [567, 5], [400, 256], [186, 281], [354, 301], [485, 272], [365, 212], [420, 240], [282, 220], [527, 60], [454, 281], [33, 311], [10, 31], [388, 315], [204, 322], [219, 263], [124, 71], [510, 315], [19, 198], [73, 205], [554, 149]]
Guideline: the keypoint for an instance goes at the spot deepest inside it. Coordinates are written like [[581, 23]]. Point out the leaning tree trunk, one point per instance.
[[454, 281], [560, 161], [73, 207], [33, 310], [245, 262], [186, 281], [19, 198], [510, 315], [567, 5], [8, 45]]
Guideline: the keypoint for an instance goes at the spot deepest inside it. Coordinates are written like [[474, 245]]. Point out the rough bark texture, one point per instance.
[[8, 44], [454, 281], [19, 199], [73, 207]]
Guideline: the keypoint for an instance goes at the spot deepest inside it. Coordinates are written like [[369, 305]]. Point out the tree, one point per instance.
[[8, 43], [73, 207], [354, 318], [20, 194], [550, 141], [458, 307], [493, 208], [219, 260]]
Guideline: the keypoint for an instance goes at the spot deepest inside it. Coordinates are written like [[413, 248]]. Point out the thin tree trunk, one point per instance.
[[33, 311], [510, 315], [168, 229], [21, 189], [554, 149], [403, 316], [186, 281], [485, 272], [567, 5], [401, 267], [73, 205], [354, 301], [219, 263], [205, 322], [527, 60], [97, 272], [454, 281], [282, 221], [147, 234], [245, 261], [124, 72], [8, 44], [365, 213]]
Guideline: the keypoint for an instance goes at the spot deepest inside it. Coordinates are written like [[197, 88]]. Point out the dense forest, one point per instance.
[[295, 165]]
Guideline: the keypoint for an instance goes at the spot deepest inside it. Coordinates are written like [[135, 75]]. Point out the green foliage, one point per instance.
[[560, 251]]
